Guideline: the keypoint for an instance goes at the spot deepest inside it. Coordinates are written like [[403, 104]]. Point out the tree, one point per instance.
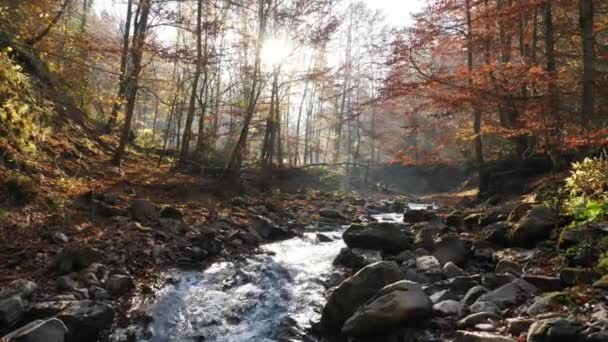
[[588, 42], [132, 80]]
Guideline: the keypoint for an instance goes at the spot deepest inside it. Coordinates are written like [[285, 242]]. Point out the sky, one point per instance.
[[398, 12]]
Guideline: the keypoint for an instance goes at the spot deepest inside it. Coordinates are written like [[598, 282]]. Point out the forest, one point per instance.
[[303, 170]]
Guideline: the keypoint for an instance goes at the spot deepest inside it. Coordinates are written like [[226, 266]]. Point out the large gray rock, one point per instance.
[[473, 294], [119, 284], [382, 236], [519, 325], [142, 210], [575, 276], [355, 291], [356, 258], [474, 336], [544, 283], [547, 303], [535, 226], [11, 310], [418, 215], [394, 305], [448, 308], [76, 258], [269, 230], [555, 330], [20, 287], [450, 248], [511, 294], [451, 270], [86, 320], [51, 330]]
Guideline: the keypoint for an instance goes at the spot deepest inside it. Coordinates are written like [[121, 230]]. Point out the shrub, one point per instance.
[[22, 112], [588, 178], [146, 139]]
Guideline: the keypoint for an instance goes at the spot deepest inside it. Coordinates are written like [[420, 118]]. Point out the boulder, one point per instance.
[[86, 320], [443, 295], [21, 287], [383, 236], [450, 248], [448, 308], [497, 233], [547, 303], [478, 336], [451, 270], [519, 325], [462, 284], [575, 276], [544, 283], [51, 330], [428, 263], [119, 284], [511, 294], [573, 236], [333, 214], [11, 310], [418, 215], [495, 280], [76, 258], [473, 294], [269, 230], [354, 258], [555, 330], [142, 210], [455, 219], [535, 226], [356, 290], [393, 306], [324, 238]]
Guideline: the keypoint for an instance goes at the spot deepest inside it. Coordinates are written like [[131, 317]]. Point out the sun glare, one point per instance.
[[276, 52]]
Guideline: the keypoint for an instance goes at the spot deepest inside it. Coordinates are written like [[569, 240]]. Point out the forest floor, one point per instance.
[[144, 220]]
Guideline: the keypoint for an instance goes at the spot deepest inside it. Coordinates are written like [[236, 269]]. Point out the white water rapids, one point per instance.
[[266, 298]]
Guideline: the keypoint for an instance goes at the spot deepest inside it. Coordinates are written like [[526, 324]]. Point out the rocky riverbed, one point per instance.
[[338, 269]]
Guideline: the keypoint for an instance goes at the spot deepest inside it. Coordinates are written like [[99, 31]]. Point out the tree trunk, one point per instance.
[[185, 148], [551, 123], [477, 142], [40, 36], [233, 169], [124, 57], [139, 39], [586, 23]]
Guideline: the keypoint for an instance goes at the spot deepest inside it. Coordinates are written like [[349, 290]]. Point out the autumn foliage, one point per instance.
[[526, 80]]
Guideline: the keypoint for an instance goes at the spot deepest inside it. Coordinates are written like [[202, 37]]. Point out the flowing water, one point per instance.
[[273, 296]]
